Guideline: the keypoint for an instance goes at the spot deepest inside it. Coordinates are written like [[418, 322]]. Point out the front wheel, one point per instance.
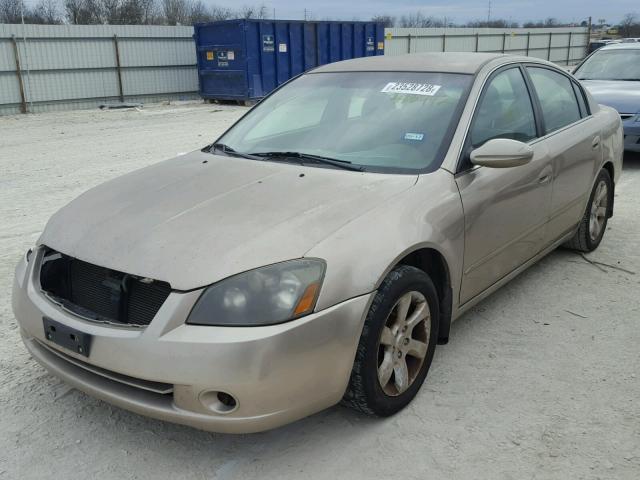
[[594, 222], [397, 344]]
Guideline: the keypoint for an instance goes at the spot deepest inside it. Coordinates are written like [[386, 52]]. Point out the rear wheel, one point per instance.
[[397, 344], [594, 222]]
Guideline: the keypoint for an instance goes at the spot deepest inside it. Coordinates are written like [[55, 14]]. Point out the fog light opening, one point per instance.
[[227, 400], [219, 402]]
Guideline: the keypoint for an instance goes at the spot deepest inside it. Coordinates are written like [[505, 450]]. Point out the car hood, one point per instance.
[[624, 96], [199, 218]]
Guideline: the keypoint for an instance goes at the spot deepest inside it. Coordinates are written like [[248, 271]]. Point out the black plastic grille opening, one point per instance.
[[100, 293]]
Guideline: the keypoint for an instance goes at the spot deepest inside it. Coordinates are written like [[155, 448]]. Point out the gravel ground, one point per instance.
[[541, 380]]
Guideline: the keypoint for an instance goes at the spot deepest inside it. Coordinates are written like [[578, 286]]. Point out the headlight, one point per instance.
[[264, 296]]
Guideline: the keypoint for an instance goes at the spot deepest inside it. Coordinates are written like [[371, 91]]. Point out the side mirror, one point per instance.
[[502, 153]]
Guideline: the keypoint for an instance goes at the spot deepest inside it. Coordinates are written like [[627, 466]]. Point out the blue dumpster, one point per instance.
[[246, 59]]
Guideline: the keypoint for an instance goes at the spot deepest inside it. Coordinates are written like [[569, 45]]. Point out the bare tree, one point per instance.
[[111, 11], [151, 13], [630, 25], [48, 12], [176, 12], [419, 20], [221, 13], [72, 10], [11, 11], [252, 11], [495, 23], [132, 12], [387, 20], [199, 13], [551, 22], [84, 12]]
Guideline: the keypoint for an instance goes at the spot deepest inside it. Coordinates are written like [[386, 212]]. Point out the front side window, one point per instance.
[[557, 98], [504, 110], [381, 121], [615, 64]]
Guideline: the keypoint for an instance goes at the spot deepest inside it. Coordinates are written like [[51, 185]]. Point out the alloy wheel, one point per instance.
[[598, 214], [403, 343]]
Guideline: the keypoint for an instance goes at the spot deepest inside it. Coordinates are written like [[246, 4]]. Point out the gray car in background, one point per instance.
[[612, 76]]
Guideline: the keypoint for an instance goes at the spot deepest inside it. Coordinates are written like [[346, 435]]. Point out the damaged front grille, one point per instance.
[[99, 293]]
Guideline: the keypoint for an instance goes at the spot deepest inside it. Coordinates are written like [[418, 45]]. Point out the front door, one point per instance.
[[505, 209]]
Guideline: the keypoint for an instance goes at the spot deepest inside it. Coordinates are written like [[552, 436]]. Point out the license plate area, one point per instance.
[[67, 337]]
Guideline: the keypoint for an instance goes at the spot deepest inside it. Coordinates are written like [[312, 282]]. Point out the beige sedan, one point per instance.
[[320, 249]]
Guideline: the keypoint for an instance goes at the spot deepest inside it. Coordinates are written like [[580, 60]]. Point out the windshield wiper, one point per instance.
[[345, 164], [230, 151]]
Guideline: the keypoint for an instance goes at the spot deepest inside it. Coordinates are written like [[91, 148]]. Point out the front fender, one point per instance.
[[361, 253]]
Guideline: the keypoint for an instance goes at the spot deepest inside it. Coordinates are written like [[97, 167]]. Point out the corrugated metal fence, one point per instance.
[[565, 46], [61, 67]]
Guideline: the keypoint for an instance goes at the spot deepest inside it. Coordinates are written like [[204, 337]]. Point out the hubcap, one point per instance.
[[598, 213], [403, 343]]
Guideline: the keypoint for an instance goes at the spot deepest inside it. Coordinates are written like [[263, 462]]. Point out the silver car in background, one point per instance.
[[612, 76], [320, 248]]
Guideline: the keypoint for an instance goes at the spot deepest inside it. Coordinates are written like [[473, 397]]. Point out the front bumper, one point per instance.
[[631, 135], [277, 374]]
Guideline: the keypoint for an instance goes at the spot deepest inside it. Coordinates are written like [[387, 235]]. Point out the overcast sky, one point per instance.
[[457, 10]]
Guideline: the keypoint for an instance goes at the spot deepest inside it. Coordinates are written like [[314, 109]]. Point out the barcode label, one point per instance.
[[411, 88]]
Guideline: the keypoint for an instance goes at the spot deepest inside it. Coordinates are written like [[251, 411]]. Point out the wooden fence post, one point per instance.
[[118, 68], [23, 99]]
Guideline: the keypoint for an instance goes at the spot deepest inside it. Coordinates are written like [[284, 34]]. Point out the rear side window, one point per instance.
[[504, 111], [557, 98]]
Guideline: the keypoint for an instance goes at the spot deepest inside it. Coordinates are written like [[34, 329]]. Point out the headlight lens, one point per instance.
[[264, 296]]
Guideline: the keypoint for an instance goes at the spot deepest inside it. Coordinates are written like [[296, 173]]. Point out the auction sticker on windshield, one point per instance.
[[411, 88]]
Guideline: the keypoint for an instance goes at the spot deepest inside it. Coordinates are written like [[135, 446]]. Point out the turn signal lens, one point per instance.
[[308, 300]]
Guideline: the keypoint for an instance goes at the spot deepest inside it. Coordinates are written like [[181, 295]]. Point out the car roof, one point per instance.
[[617, 46], [449, 62]]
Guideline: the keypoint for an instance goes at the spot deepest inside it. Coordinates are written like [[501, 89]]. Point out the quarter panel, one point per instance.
[[612, 134]]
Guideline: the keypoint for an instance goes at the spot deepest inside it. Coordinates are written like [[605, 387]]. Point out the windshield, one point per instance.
[[379, 121], [623, 64]]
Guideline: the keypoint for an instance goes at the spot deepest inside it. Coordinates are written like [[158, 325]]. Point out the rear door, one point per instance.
[[572, 136], [505, 209]]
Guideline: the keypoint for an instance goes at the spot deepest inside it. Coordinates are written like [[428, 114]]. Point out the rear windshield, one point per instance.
[[381, 121], [622, 64]]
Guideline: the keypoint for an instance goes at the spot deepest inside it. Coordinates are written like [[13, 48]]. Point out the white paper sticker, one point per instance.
[[411, 88], [231, 55], [414, 136], [282, 47]]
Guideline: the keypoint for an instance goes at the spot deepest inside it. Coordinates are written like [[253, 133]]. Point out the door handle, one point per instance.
[[596, 142], [544, 178]]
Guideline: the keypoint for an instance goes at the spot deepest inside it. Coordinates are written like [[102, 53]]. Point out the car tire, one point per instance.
[[393, 335], [594, 222]]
